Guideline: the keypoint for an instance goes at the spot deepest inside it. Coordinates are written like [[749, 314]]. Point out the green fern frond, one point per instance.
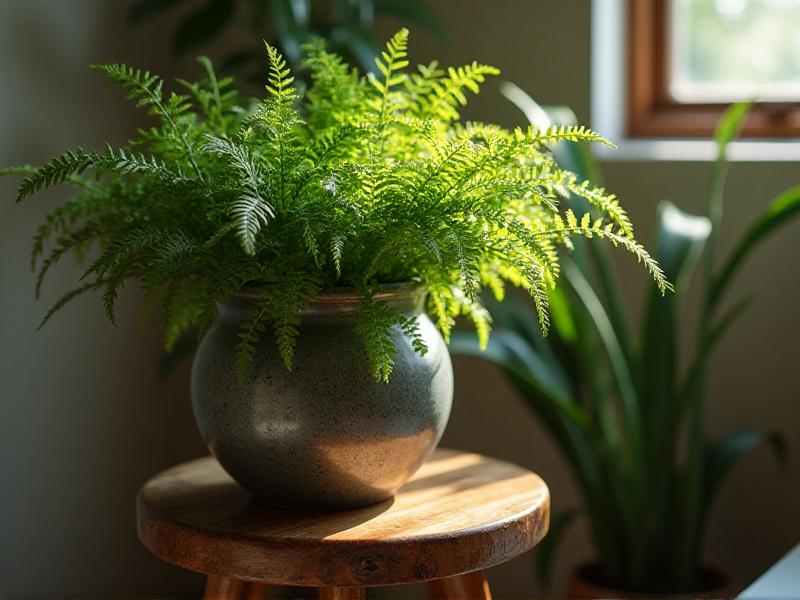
[[375, 322], [596, 196], [444, 307], [562, 133], [480, 318], [410, 327], [435, 93], [126, 162], [587, 229], [142, 86], [337, 252], [280, 307], [148, 91], [250, 334], [122, 249], [250, 211], [69, 241], [25, 170], [67, 298], [280, 77], [390, 63], [58, 170]]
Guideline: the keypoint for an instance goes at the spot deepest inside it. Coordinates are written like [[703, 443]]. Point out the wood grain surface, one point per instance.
[[460, 513]]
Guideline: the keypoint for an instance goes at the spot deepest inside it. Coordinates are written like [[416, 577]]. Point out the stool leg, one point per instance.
[[342, 593], [223, 588], [469, 586]]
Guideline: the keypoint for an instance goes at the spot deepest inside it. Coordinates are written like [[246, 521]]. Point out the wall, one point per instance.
[[85, 420]]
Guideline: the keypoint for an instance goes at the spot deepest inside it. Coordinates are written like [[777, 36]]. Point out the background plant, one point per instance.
[[364, 181], [630, 422], [345, 25]]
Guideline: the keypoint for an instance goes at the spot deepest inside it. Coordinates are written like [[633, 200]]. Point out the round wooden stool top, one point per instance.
[[461, 512]]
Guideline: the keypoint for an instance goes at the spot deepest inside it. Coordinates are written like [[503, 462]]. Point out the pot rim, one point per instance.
[[717, 583], [408, 295]]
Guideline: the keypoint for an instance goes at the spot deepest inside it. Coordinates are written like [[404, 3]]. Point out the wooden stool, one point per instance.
[[461, 513]]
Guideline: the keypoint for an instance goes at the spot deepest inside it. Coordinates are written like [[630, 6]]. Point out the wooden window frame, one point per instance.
[[652, 112]]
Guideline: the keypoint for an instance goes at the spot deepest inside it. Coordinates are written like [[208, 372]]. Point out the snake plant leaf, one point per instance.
[[779, 212], [680, 240], [723, 454], [617, 359], [728, 128], [546, 550], [561, 317], [515, 313], [716, 333], [565, 420], [510, 350], [202, 25], [730, 124]]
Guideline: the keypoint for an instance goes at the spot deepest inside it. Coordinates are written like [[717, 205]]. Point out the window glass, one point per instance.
[[725, 50]]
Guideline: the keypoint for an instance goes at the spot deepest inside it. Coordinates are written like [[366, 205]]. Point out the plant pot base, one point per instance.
[[585, 583]]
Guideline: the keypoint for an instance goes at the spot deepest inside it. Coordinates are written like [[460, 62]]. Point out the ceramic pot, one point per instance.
[[585, 583], [325, 435]]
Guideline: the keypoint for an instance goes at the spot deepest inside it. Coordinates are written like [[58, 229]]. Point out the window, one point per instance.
[[688, 59]]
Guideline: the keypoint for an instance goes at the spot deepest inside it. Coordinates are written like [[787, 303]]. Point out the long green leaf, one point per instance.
[[515, 314], [779, 212], [723, 454], [509, 350], [564, 420], [680, 239], [620, 367], [727, 130], [697, 369]]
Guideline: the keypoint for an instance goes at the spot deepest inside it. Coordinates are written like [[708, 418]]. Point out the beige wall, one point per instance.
[[85, 421]]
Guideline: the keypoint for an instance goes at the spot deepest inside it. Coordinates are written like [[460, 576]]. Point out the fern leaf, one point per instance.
[[280, 77], [251, 211], [68, 297], [58, 170], [250, 333], [570, 133], [337, 252], [375, 322]]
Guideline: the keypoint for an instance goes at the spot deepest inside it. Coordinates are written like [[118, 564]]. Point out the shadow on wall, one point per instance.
[[85, 420]]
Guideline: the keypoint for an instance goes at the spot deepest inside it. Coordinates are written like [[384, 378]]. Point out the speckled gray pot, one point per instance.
[[325, 435]]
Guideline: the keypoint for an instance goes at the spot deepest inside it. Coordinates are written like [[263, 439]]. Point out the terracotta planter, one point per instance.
[[585, 583], [325, 435]]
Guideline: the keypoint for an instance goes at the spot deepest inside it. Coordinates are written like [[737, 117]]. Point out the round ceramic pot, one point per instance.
[[325, 435], [586, 583]]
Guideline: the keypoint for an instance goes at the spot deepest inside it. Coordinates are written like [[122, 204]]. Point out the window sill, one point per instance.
[[608, 54], [629, 149]]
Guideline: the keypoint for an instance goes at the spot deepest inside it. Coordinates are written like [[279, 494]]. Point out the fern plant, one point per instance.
[[364, 180]]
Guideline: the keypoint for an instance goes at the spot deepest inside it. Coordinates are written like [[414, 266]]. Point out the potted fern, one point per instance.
[[629, 420], [307, 238]]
